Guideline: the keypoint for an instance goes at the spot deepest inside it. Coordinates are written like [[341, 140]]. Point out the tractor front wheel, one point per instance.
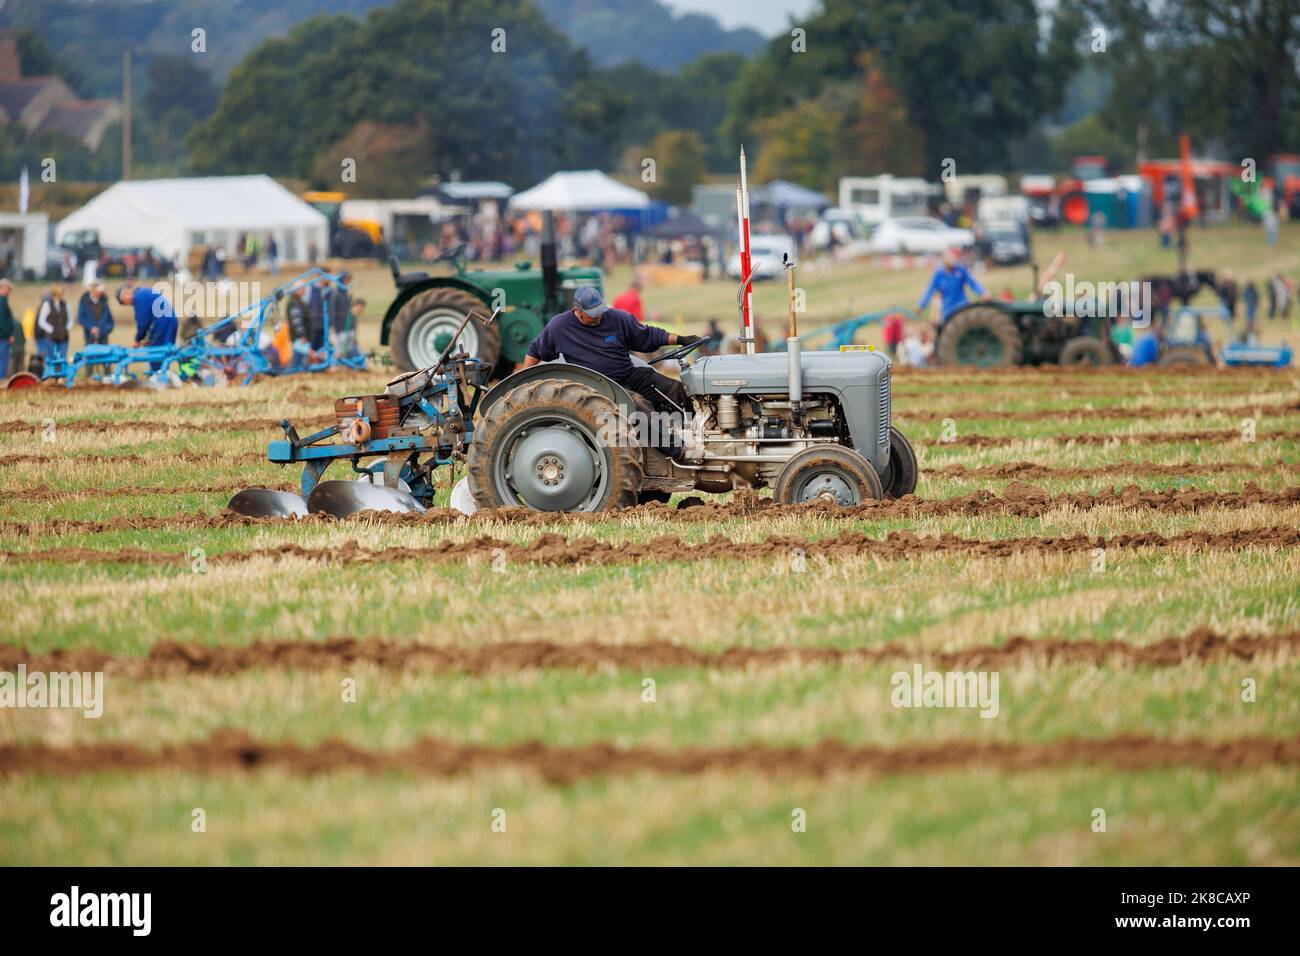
[[1085, 350], [828, 473], [555, 445], [982, 336], [426, 324]]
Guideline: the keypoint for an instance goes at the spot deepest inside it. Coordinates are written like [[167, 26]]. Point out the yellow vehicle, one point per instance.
[[349, 239]]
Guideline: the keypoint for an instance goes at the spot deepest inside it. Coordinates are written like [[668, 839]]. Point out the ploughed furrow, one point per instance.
[[1107, 413], [1120, 438], [207, 458], [1136, 469], [230, 751], [138, 491], [172, 659], [229, 425], [554, 549], [1017, 499]]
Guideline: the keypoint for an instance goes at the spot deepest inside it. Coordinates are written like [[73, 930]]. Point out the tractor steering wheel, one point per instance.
[[679, 352], [453, 254]]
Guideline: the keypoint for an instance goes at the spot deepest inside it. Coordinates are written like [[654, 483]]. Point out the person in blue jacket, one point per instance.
[[951, 280], [155, 320], [94, 316]]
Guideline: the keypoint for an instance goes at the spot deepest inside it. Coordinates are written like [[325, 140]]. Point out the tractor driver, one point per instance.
[[593, 335]]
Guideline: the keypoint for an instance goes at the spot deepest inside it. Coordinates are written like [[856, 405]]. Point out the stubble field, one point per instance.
[[1111, 544]]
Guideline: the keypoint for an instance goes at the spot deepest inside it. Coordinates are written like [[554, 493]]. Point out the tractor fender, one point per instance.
[[411, 291], [562, 370]]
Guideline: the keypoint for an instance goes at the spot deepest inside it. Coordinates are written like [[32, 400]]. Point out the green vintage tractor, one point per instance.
[[428, 310], [992, 334]]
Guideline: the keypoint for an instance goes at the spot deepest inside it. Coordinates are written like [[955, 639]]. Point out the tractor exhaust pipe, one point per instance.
[[793, 347], [550, 269]]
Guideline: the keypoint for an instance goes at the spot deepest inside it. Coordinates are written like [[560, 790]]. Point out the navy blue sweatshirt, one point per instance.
[[603, 346]]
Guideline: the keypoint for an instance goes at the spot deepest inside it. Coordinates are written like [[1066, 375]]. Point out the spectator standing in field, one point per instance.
[[315, 299], [1121, 334], [7, 253], [1250, 302], [298, 312], [7, 326], [630, 300], [272, 254], [892, 333], [339, 301], [1280, 296], [950, 281], [1270, 226], [52, 324], [345, 339], [94, 316], [1228, 293]]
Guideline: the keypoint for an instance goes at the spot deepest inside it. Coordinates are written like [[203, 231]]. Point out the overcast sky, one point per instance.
[[766, 16]]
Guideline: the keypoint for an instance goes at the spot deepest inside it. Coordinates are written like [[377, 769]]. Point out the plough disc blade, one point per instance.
[[264, 503], [344, 498]]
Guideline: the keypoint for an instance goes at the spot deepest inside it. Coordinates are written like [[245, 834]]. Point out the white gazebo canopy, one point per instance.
[[175, 215], [583, 191]]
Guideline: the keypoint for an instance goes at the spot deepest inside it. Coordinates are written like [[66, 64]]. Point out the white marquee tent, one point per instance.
[[175, 215], [580, 192]]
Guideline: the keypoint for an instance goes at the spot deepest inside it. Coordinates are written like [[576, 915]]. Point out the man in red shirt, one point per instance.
[[630, 301]]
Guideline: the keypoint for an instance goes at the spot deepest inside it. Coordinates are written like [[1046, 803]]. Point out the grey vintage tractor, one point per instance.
[[561, 437]]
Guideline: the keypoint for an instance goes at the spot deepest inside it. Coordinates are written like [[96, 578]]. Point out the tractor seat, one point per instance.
[[401, 279]]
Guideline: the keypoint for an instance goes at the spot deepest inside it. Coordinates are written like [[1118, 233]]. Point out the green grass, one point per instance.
[[974, 818]]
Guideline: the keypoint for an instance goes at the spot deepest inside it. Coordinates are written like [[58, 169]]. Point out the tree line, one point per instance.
[[493, 89]]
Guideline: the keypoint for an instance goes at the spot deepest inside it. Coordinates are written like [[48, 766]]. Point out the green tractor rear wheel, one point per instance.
[[1085, 350], [983, 336], [426, 324]]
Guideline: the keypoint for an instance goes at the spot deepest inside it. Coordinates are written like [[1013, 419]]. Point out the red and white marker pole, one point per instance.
[[747, 298]]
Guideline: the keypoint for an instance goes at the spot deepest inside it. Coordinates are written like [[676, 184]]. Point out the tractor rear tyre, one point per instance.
[[828, 473], [901, 473], [982, 336], [1085, 350], [426, 324], [555, 445], [1192, 355]]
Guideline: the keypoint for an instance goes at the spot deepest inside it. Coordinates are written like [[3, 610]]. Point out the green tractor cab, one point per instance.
[[428, 310]]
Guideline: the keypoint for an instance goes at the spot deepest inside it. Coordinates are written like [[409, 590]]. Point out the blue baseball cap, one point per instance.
[[588, 300]]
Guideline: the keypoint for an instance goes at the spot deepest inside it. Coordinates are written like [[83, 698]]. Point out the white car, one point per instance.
[[841, 228], [765, 254], [918, 234]]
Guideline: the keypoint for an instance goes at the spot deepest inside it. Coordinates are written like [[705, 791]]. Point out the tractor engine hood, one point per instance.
[[859, 379]]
